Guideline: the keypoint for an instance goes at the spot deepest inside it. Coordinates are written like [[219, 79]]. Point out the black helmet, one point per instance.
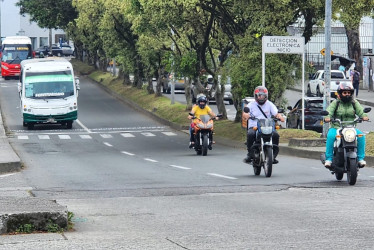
[[345, 86], [202, 98], [261, 91]]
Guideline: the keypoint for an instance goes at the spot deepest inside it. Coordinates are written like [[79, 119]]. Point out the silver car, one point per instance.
[[67, 50]]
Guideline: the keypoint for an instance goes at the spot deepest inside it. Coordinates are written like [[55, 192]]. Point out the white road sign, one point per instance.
[[283, 44]]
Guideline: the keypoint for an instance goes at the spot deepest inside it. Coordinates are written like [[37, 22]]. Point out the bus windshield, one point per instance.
[[49, 85], [15, 53]]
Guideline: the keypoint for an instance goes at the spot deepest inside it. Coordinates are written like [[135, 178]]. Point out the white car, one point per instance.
[[67, 50]]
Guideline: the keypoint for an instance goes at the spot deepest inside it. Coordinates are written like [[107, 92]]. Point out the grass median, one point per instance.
[[177, 112]]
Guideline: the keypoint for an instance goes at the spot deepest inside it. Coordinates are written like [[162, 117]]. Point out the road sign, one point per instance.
[[323, 52], [283, 44]]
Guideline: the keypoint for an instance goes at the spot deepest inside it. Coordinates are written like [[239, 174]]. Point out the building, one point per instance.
[[13, 24]]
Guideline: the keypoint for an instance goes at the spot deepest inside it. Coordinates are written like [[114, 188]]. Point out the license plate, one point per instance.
[[16, 74], [51, 119]]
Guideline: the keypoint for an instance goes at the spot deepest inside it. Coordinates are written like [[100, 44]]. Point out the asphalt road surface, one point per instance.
[[132, 183]]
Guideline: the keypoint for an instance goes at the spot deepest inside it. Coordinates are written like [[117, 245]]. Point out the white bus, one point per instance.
[[48, 92]]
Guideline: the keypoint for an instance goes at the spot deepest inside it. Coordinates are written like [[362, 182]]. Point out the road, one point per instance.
[[132, 183]]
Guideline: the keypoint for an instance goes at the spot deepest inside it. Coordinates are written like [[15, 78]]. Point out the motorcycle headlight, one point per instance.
[[349, 135], [266, 130], [201, 125]]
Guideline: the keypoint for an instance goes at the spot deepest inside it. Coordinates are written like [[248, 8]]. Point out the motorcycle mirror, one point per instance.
[[289, 108], [324, 112], [246, 110], [219, 115], [367, 110]]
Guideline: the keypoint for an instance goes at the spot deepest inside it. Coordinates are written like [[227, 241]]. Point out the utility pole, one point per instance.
[[327, 68]]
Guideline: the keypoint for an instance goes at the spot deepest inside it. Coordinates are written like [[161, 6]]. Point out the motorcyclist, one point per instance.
[[344, 108], [200, 109], [258, 109]]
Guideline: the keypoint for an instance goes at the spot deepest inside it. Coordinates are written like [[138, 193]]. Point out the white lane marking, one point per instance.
[[6, 175], [127, 135], [106, 136], [180, 167], [84, 127], [222, 176], [127, 153], [151, 160], [64, 137], [169, 133], [108, 144], [23, 137], [148, 134], [44, 137], [85, 136]]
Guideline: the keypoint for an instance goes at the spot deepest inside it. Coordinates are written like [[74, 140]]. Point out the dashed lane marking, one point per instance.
[[85, 136], [148, 134], [222, 176], [106, 136], [108, 144], [44, 137], [151, 160], [23, 137], [127, 135], [169, 133], [127, 153], [180, 167], [64, 137]]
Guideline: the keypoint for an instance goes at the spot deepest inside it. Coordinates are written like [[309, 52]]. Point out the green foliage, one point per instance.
[[26, 229], [53, 227], [49, 14], [70, 220]]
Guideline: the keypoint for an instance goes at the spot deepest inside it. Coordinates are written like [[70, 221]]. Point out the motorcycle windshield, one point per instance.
[[205, 118], [266, 126]]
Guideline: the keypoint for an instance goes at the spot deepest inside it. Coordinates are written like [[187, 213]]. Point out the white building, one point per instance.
[[12, 24]]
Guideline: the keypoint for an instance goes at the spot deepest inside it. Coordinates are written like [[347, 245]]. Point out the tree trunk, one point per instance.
[[354, 46]]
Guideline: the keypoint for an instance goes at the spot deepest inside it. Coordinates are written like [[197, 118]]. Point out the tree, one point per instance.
[[49, 14], [350, 13]]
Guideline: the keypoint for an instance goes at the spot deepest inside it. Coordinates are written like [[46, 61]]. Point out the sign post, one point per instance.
[[285, 45]]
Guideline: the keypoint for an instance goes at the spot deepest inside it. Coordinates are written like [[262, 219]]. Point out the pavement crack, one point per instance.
[[175, 243]]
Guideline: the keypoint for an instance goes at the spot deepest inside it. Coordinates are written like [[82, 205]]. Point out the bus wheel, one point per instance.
[[30, 126], [69, 124]]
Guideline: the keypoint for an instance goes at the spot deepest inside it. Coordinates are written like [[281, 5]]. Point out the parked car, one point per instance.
[[43, 49], [178, 83], [56, 51], [313, 106], [316, 84], [67, 50]]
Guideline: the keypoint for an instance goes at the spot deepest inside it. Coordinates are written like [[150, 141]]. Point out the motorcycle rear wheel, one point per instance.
[[257, 170], [268, 161], [339, 175], [352, 172]]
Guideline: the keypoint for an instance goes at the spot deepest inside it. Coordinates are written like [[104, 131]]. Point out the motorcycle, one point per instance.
[[203, 133], [263, 146], [345, 149]]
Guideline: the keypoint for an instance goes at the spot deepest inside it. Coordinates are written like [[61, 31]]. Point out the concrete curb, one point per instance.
[[40, 213], [9, 160]]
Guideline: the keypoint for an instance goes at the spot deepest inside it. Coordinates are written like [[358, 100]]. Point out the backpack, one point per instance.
[[356, 77]]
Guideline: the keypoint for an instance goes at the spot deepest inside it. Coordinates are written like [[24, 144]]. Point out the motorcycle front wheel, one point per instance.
[[268, 161], [205, 144], [352, 172]]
